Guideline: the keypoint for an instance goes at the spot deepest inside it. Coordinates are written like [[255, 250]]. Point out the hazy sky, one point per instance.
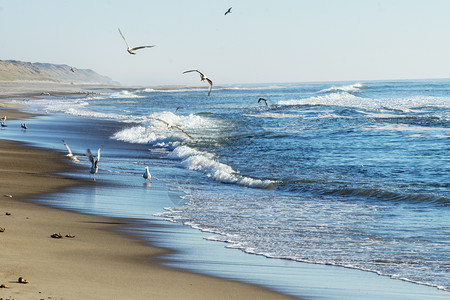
[[260, 41]]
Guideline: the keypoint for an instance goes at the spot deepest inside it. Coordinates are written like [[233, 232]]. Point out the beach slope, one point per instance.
[[97, 261]]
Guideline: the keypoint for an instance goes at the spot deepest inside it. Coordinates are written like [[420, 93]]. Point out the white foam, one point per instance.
[[143, 135], [157, 129], [275, 115], [155, 132], [338, 98], [352, 88], [186, 122], [124, 94], [206, 163], [147, 90], [393, 105]]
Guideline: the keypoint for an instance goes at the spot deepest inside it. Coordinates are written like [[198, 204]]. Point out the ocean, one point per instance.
[[345, 174]]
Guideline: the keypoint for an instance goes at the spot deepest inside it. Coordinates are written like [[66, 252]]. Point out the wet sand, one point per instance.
[[99, 262]]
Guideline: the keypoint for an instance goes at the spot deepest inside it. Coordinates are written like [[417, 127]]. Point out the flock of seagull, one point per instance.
[[203, 78], [3, 123], [95, 159]]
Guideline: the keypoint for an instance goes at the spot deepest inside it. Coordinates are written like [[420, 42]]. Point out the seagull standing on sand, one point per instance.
[[202, 78], [131, 50], [3, 119], [147, 174], [262, 99], [94, 161], [228, 11]]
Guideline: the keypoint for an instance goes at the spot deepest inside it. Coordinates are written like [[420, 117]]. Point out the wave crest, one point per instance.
[[204, 162], [338, 98], [352, 88]]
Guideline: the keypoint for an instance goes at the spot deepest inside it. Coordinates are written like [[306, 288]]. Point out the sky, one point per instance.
[[259, 42]]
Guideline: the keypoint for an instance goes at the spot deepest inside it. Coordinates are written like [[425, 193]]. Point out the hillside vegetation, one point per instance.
[[12, 70]]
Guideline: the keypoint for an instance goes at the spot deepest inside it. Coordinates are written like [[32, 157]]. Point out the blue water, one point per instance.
[[351, 174]]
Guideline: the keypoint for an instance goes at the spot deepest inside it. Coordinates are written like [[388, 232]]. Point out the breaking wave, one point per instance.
[[352, 88], [206, 163], [170, 131]]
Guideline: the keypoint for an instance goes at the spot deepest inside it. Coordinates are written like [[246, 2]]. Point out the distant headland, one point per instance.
[[13, 70]]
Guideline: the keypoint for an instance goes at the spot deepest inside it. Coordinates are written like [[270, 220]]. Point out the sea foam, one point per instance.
[[155, 131], [352, 88], [337, 98], [207, 164]]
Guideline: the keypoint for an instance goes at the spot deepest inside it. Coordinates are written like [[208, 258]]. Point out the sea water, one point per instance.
[[348, 174]]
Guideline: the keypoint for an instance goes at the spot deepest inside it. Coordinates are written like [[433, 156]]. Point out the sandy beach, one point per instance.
[[98, 262]]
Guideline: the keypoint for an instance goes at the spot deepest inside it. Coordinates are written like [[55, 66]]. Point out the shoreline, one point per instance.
[[101, 261], [191, 253]]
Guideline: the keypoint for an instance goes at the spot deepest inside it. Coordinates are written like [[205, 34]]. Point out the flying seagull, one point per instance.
[[70, 154], [72, 69], [24, 126], [147, 174], [170, 126], [262, 99], [94, 162], [228, 11], [202, 78], [131, 50], [178, 108]]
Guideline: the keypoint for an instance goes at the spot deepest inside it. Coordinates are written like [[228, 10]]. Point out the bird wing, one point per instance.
[[181, 129], [141, 47], [165, 122], [124, 38], [98, 155], [67, 146], [174, 126], [201, 74], [190, 71], [91, 157], [262, 99], [210, 85]]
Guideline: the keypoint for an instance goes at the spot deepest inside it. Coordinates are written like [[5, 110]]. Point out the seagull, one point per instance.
[[24, 126], [131, 50], [228, 11], [170, 126], [94, 162], [179, 107], [72, 69], [202, 78], [181, 129], [70, 154], [262, 99], [3, 119], [4, 125], [147, 175]]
